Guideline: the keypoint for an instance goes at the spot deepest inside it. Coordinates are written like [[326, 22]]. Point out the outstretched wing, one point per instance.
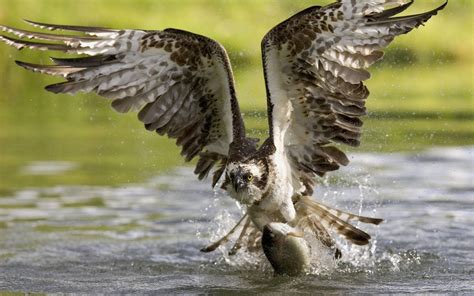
[[315, 64], [180, 82]]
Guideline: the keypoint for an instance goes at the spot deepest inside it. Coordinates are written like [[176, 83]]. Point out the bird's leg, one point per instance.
[[288, 211], [253, 243], [224, 239], [238, 243]]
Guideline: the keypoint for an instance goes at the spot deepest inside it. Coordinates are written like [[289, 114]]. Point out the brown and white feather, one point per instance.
[[181, 83], [315, 64], [320, 219]]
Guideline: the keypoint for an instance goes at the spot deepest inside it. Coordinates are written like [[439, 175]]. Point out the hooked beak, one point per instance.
[[238, 183]]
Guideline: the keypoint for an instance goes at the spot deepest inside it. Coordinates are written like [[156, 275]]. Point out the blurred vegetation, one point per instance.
[[421, 94]]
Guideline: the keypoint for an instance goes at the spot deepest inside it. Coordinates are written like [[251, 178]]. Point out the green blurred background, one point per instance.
[[421, 94]]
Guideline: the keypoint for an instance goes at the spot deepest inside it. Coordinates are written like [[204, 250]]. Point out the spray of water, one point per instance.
[[354, 259]]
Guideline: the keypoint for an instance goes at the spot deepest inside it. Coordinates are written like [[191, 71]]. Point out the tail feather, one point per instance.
[[323, 218], [318, 229], [349, 216]]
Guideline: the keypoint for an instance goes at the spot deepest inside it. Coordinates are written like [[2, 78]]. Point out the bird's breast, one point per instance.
[[280, 182]]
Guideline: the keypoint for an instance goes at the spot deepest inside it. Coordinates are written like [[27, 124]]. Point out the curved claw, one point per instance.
[[224, 239]]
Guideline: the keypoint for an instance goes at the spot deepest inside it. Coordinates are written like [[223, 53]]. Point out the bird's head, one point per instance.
[[246, 181]]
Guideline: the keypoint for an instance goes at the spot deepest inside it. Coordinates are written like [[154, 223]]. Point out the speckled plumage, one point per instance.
[[315, 66]]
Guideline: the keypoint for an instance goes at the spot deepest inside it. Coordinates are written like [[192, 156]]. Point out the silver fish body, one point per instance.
[[286, 249]]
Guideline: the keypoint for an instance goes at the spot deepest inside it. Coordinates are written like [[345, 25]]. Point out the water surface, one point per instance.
[[145, 237]]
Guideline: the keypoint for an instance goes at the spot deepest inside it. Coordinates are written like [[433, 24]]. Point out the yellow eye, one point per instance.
[[249, 177]]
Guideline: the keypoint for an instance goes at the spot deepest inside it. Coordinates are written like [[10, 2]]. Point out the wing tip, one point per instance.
[[436, 10], [444, 5], [4, 28], [83, 29], [28, 66], [56, 88], [12, 42], [36, 24], [28, 21], [22, 64], [421, 18]]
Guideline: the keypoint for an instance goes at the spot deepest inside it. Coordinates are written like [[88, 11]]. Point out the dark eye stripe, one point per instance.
[[261, 182]]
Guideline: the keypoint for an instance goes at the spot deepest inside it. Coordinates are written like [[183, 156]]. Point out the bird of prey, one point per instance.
[[181, 84]]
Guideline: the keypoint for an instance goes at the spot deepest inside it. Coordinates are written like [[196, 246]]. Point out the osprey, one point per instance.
[[182, 84]]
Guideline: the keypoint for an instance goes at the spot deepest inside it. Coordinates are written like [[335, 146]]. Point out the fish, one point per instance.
[[286, 249]]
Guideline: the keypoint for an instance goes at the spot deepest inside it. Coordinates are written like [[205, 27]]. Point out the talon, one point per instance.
[[234, 249], [338, 254], [224, 239], [211, 248]]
